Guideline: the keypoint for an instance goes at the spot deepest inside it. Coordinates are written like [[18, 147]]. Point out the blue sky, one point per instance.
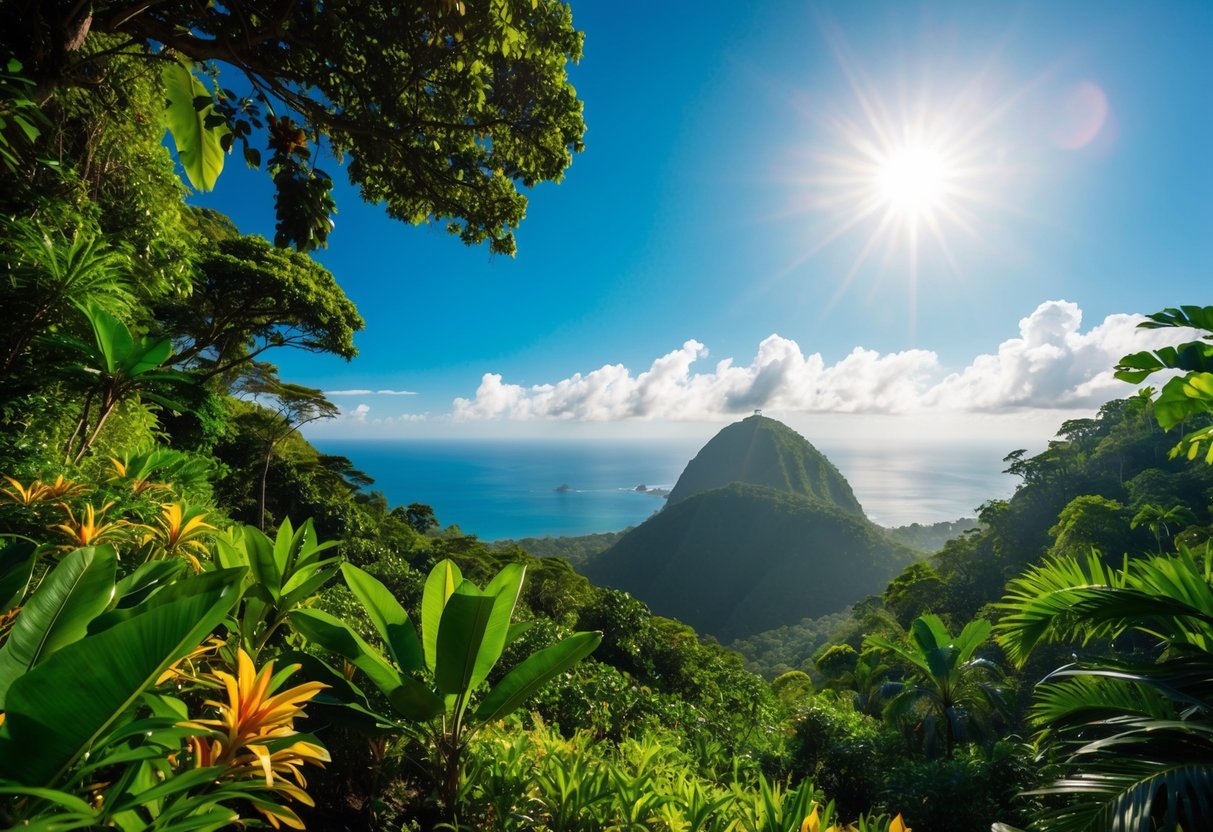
[[1070, 148]]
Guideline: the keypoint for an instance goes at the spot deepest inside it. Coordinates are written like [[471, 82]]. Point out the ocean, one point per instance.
[[499, 489]]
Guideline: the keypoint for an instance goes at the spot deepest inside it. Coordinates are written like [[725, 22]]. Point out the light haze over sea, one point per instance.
[[510, 488]]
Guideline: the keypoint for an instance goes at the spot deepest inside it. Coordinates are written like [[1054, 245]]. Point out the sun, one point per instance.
[[910, 176], [914, 180]]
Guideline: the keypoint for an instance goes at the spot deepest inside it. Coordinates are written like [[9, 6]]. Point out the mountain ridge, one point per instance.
[[762, 451]]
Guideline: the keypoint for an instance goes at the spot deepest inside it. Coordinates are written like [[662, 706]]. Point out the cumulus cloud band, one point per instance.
[[1051, 365]]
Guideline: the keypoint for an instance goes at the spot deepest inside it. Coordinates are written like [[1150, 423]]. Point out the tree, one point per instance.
[[1087, 522], [249, 297], [1159, 520], [420, 517], [283, 409], [444, 108], [945, 689], [916, 590]]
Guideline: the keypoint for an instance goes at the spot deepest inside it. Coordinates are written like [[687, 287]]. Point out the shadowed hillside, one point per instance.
[[741, 559]]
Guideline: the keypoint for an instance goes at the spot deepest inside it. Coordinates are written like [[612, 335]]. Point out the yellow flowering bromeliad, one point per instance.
[[40, 492], [90, 529], [251, 737], [138, 485], [180, 532], [812, 823]]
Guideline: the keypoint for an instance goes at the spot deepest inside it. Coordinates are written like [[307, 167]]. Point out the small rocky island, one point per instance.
[[656, 492]]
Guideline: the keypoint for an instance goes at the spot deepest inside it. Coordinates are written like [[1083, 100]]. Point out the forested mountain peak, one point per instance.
[[763, 451]]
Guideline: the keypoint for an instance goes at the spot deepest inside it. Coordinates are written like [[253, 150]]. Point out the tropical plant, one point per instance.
[[1160, 520], [118, 366], [254, 740], [48, 275], [91, 527], [946, 690], [160, 470], [67, 728], [40, 492], [1188, 394], [778, 808], [1134, 738], [280, 575], [464, 631], [21, 121], [179, 531]]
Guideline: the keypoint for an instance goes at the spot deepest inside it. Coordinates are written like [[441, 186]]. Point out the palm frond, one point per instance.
[[1081, 599]]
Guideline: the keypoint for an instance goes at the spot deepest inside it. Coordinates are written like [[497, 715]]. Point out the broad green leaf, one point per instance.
[[505, 588], [439, 586], [198, 147], [56, 711], [58, 613], [1176, 404], [261, 558], [460, 638], [148, 577], [408, 697], [305, 582], [114, 340], [1197, 317], [148, 355], [389, 618], [16, 565], [533, 673], [285, 542], [974, 634]]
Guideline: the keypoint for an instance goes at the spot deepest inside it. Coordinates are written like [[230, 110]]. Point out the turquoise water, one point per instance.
[[512, 488]]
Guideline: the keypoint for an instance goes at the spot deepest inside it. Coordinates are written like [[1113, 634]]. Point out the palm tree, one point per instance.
[[1159, 520], [947, 690], [1134, 739]]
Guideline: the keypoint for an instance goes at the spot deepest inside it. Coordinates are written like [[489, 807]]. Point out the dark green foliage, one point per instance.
[[848, 754], [742, 559], [915, 591], [964, 794], [1120, 456], [1091, 522], [578, 550], [762, 451], [792, 646], [931, 538]]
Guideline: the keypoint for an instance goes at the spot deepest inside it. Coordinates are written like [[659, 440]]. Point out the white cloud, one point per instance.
[[1051, 365], [370, 393], [361, 415]]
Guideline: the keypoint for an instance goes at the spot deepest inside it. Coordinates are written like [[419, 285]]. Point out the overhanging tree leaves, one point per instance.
[[444, 108], [250, 297], [1185, 396]]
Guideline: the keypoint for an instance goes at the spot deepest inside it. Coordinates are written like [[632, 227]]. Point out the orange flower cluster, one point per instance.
[[252, 736]]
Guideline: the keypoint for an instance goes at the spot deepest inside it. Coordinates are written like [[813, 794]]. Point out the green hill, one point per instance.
[[742, 559], [762, 451]]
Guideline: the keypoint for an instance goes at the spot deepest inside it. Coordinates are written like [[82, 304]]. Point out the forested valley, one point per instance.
[[205, 623]]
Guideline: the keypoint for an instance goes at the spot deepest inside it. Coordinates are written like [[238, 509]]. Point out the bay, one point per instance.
[[498, 489]]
